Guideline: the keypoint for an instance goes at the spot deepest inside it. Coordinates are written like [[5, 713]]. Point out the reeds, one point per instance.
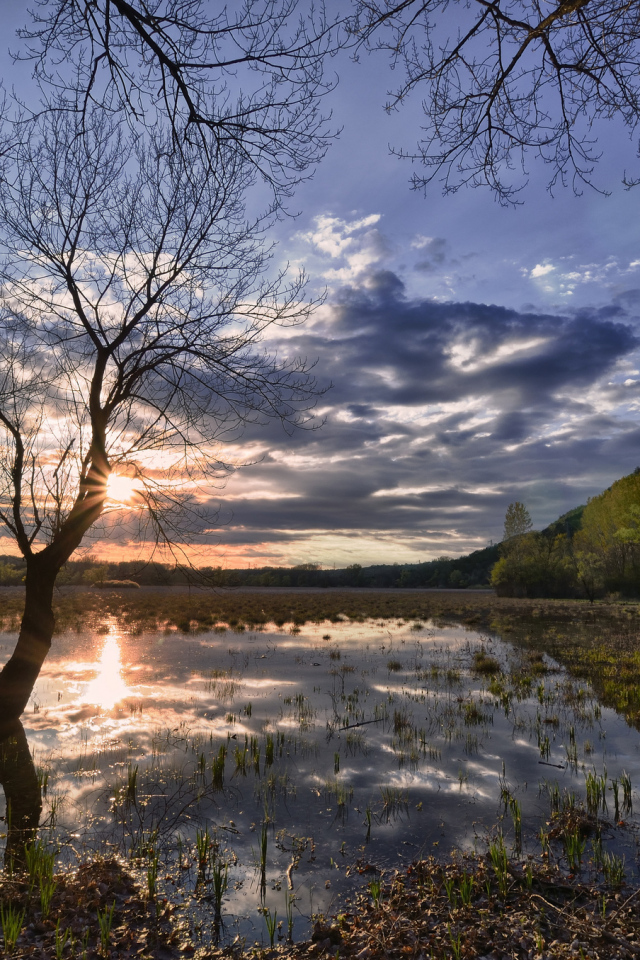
[[61, 940], [596, 787], [262, 852], [394, 802], [271, 921], [152, 874], [574, 845], [219, 883], [613, 869], [12, 920], [375, 889], [500, 862], [105, 922], [217, 768]]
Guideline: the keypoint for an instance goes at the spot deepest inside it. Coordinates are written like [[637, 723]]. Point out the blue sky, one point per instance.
[[478, 354]]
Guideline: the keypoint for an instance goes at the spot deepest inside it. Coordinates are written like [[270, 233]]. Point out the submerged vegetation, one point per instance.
[[205, 610], [301, 763]]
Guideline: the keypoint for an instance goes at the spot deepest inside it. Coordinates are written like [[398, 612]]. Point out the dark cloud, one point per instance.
[[434, 254], [441, 414]]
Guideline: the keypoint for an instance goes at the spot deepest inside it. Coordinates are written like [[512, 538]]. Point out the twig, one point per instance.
[[362, 723]]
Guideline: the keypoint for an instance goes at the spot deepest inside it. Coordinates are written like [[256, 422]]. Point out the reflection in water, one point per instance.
[[108, 687], [19, 781], [378, 742]]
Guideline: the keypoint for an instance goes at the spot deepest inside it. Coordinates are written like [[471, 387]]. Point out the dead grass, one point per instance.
[[541, 914], [137, 930], [203, 610]]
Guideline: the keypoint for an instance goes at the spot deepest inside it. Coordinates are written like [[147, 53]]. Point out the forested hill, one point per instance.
[[569, 523]]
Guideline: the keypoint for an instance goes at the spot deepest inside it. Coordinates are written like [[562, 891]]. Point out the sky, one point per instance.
[[474, 355]]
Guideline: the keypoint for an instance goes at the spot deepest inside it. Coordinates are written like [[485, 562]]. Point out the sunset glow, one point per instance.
[[122, 489]]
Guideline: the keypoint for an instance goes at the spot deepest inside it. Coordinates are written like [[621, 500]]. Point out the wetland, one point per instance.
[[234, 769]]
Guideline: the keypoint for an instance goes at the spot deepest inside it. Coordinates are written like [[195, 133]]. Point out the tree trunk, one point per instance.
[[19, 780], [21, 671]]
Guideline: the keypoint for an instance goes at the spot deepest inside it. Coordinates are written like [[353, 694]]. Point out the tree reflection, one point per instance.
[[19, 780]]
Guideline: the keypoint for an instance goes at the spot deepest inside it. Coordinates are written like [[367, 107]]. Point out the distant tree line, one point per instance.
[[473, 570], [591, 552]]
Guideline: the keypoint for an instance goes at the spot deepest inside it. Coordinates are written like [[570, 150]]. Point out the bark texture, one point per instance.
[[34, 642], [19, 781]]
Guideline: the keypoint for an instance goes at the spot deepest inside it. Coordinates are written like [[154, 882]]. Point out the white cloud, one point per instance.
[[263, 495], [541, 270], [356, 243], [421, 242], [468, 356], [477, 489]]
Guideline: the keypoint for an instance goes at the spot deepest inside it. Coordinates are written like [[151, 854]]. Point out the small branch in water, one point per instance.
[[362, 723]]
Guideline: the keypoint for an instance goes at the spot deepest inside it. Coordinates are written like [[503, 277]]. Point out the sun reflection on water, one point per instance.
[[108, 687]]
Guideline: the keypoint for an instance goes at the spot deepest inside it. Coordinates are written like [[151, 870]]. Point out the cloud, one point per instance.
[[541, 270], [354, 246], [434, 251], [441, 415]]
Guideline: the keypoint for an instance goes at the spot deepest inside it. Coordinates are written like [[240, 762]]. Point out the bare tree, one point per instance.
[[135, 296], [247, 75], [503, 80]]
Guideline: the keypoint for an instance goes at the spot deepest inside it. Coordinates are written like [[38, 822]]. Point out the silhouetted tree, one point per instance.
[[503, 81], [134, 300], [500, 82], [245, 77]]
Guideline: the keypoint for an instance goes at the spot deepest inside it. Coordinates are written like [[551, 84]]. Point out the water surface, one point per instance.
[[349, 746]]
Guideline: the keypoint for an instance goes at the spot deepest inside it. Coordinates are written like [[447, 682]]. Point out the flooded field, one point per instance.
[[257, 778]]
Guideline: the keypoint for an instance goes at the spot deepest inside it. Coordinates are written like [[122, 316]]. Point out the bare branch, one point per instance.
[[135, 273], [517, 80], [176, 60]]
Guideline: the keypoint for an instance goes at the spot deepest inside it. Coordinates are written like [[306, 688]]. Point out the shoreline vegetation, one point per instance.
[[592, 552], [198, 609], [464, 906], [472, 571]]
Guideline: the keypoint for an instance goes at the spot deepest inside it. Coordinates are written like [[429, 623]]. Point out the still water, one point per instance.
[[267, 771]]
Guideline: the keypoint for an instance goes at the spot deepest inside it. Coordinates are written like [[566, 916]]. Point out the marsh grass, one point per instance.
[[500, 862], [394, 802], [436, 710], [571, 911], [219, 884], [105, 922], [613, 869], [12, 919], [157, 608], [61, 940], [485, 664]]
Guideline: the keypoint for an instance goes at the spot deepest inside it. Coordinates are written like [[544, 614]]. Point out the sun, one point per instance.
[[122, 489]]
